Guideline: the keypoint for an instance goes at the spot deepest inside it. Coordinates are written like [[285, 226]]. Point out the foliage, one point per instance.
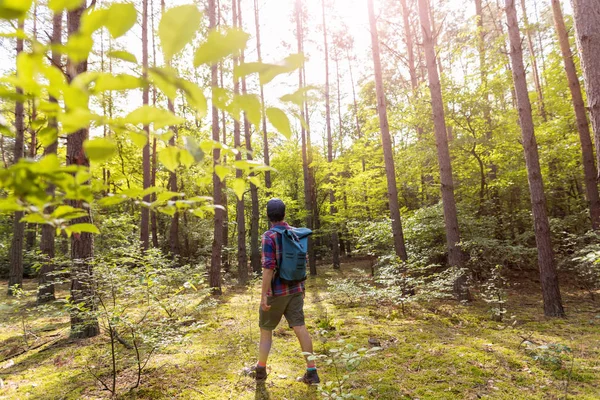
[[493, 292], [344, 360]]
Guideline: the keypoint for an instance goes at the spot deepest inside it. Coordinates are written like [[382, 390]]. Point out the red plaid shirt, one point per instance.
[[271, 253]]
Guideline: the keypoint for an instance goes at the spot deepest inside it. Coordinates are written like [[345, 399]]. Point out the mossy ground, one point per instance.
[[441, 350]]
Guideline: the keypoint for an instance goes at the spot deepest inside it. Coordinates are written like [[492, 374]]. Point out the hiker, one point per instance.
[[281, 297]]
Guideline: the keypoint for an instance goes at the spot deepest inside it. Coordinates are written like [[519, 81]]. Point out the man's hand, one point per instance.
[[263, 304]]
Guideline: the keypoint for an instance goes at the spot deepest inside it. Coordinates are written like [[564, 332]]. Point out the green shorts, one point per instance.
[[292, 306]]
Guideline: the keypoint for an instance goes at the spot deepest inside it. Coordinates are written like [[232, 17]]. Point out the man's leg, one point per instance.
[[266, 338], [305, 342]]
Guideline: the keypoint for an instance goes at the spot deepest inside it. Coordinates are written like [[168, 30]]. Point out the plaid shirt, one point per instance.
[[271, 253]]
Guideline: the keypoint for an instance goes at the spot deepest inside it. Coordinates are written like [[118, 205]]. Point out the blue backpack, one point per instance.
[[292, 266]]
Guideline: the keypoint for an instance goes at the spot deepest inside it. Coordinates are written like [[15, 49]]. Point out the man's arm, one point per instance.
[[267, 277]]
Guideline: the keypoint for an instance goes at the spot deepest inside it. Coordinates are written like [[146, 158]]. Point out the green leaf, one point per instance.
[[139, 139], [60, 5], [195, 97], [220, 45], [177, 28], [165, 79], [118, 19], [99, 149], [34, 219], [14, 9], [112, 200], [185, 158], [280, 121], [78, 47], [267, 72], [10, 204], [251, 105], [106, 82], [298, 97], [74, 120], [256, 181], [239, 187], [194, 148], [147, 115], [169, 157], [166, 196], [122, 55], [222, 171], [80, 228]]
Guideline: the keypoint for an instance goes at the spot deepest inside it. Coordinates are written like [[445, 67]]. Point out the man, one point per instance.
[[279, 299]]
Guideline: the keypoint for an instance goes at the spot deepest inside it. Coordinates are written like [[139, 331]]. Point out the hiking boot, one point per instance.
[[311, 378], [260, 373]]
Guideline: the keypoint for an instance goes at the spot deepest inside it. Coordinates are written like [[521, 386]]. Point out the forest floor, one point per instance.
[[440, 350]]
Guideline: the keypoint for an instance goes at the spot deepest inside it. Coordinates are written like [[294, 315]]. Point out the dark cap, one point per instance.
[[275, 210]]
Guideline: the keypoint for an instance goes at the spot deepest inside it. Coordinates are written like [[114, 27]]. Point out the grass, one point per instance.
[[440, 350]]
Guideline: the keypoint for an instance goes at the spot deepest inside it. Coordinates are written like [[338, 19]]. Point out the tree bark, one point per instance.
[[145, 214], [46, 285], [255, 257], [586, 14], [587, 149], [217, 245], [548, 277], [262, 101], [534, 66], [335, 242], [240, 216], [305, 144], [455, 255], [15, 274], [388, 154], [83, 324]]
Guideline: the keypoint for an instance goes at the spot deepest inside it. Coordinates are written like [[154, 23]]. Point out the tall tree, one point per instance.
[[15, 275], [83, 323], [587, 149], [240, 216], [548, 277], [455, 256], [145, 217], [174, 228], [153, 217], [534, 65], [586, 14], [388, 154], [217, 244], [335, 242], [255, 261], [308, 204], [46, 285], [31, 231], [262, 100]]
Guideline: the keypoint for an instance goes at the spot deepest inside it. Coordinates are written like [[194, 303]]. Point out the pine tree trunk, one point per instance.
[[455, 255], [46, 285], [534, 66], [586, 14], [240, 216], [255, 257], [83, 324], [587, 149], [335, 245], [262, 101], [145, 214], [217, 245], [388, 155], [548, 277], [305, 144], [15, 274]]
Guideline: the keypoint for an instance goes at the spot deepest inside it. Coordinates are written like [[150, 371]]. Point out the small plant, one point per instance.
[[344, 360], [587, 269], [494, 293], [553, 355]]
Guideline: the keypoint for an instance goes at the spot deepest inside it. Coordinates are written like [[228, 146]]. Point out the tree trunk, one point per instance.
[[455, 255], [262, 101], [217, 245], [225, 254], [145, 214], [335, 245], [534, 66], [587, 149], [548, 277], [388, 154], [46, 285], [586, 14], [255, 257], [240, 216], [305, 144], [83, 324], [15, 274]]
